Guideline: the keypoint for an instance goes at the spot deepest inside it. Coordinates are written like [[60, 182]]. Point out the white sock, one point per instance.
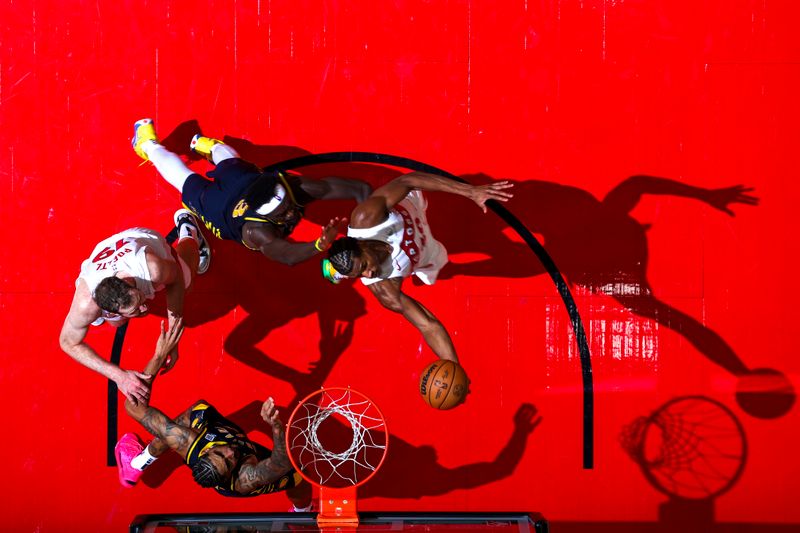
[[169, 165], [143, 460], [303, 509], [188, 231], [221, 152]]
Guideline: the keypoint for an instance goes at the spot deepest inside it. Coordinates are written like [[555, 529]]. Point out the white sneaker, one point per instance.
[[184, 216]]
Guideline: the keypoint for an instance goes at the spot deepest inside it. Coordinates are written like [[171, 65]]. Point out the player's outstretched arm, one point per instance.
[[435, 334], [171, 433], [254, 475], [625, 196], [291, 253], [168, 272], [397, 189], [81, 314], [333, 188]]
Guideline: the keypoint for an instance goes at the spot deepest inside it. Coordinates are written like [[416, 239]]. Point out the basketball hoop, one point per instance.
[[337, 439]]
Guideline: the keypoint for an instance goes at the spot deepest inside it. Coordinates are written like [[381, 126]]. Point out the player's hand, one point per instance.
[[480, 194], [170, 361], [271, 415], [329, 232], [168, 339], [135, 386], [526, 418], [720, 198]]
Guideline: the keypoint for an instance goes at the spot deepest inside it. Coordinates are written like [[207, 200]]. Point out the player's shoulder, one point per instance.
[[83, 310], [161, 269], [369, 213]]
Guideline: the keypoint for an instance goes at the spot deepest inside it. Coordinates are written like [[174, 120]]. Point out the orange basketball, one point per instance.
[[443, 384]]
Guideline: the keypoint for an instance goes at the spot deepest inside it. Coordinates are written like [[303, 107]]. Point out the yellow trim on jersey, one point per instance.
[[288, 188], [194, 444]]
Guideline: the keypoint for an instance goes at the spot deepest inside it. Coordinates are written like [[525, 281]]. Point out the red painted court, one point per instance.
[[676, 410]]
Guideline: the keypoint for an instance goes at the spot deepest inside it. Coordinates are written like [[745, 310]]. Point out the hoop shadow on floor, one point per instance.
[[692, 449]]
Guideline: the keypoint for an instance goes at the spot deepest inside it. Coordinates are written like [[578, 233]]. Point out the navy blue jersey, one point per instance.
[[216, 430], [220, 202]]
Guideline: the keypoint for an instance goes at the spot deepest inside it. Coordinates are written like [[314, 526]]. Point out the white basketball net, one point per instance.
[[356, 462]]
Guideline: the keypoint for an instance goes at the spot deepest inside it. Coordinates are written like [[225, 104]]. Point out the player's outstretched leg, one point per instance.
[[212, 149], [192, 246], [145, 144]]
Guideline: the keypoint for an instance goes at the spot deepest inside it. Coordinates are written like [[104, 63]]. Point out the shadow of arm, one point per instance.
[[627, 194]]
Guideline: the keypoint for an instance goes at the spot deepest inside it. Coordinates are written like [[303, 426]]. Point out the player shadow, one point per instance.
[[270, 295], [393, 479], [597, 245]]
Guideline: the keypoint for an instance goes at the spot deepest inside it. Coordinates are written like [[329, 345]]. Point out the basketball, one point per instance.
[[443, 384]]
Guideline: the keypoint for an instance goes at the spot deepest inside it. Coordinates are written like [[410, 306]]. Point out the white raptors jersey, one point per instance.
[[414, 250], [125, 252]]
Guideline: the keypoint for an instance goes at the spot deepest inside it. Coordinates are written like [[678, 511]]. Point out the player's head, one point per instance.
[[270, 199], [350, 258], [115, 295], [215, 467]]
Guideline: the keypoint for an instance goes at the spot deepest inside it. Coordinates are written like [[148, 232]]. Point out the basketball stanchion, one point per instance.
[[337, 439]]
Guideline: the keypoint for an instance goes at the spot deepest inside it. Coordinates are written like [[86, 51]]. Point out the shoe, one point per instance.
[[143, 131], [203, 145], [128, 447], [310, 509], [184, 216]]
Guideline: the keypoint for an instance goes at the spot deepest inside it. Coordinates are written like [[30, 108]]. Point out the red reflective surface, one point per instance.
[[568, 99]]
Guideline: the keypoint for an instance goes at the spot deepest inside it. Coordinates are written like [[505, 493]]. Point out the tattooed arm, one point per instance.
[[254, 475], [172, 434]]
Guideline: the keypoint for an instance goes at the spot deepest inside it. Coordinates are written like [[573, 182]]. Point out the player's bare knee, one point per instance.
[[392, 304]]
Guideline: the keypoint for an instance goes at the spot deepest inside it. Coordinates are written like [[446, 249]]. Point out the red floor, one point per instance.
[[568, 99]]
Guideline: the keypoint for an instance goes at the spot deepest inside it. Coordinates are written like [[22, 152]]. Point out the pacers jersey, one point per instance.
[[216, 430], [125, 253], [220, 203], [414, 250]]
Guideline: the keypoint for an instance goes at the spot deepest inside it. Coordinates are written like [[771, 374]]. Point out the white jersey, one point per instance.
[[125, 253], [414, 250]]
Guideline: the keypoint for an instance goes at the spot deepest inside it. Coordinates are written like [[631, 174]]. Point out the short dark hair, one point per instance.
[[112, 293], [342, 252], [262, 190], [205, 474]]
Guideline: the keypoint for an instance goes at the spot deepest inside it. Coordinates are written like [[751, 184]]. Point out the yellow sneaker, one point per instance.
[[143, 131], [203, 145]]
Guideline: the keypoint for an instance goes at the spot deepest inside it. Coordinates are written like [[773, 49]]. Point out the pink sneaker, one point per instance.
[[128, 447]]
